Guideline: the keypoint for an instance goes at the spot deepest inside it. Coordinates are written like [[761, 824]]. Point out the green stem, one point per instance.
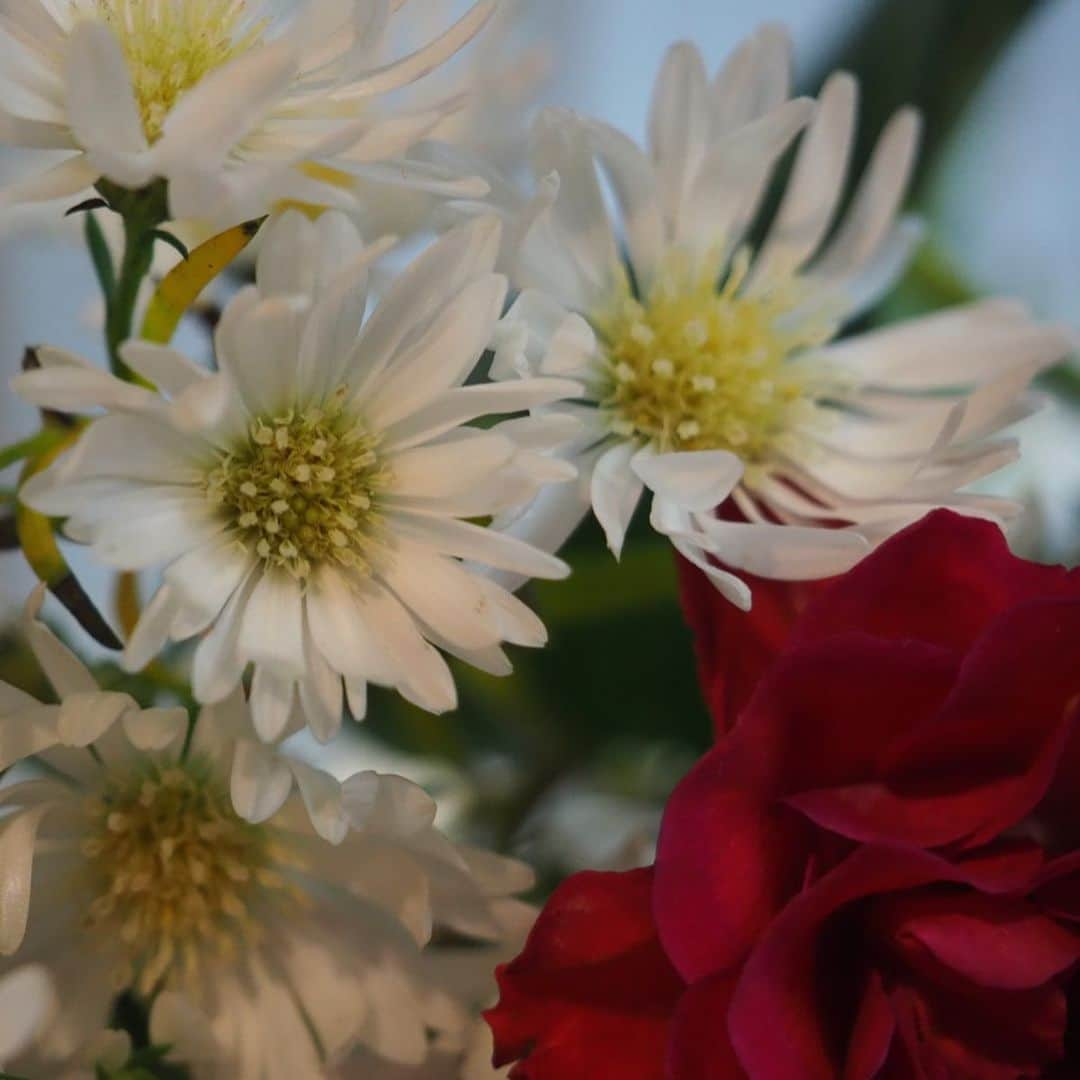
[[120, 313], [143, 211], [31, 447]]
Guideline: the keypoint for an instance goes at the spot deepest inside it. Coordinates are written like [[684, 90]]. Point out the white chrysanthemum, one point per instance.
[[716, 375], [311, 502], [496, 80], [266, 951], [462, 1048], [231, 101], [473, 1061]]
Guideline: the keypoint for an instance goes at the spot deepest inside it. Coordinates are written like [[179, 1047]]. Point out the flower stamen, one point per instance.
[[692, 367], [172, 45], [174, 870], [301, 491]]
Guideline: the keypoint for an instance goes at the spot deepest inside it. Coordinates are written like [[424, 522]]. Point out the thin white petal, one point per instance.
[[615, 491]]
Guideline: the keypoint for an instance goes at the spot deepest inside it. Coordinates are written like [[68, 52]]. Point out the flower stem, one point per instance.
[[143, 211], [120, 314], [32, 447]]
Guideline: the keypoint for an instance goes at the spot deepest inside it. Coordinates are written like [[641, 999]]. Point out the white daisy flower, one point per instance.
[[472, 1062], [462, 1047], [265, 950], [717, 377], [230, 101], [311, 502], [496, 81]]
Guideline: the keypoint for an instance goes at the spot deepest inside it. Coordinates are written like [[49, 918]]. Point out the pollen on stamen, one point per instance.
[[173, 870], [694, 367], [302, 489]]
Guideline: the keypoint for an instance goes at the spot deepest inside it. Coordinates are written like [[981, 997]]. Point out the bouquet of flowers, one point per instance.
[[434, 340]]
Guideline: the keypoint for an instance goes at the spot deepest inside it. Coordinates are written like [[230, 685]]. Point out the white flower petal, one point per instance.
[[64, 670], [156, 730], [423, 289], [272, 629], [70, 177], [223, 106], [322, 694], [459, 406], [815, 187], [342, 632], [323, 798], [445, 468], [755, 79], [615, 492], [27, 1002], [696, 481], [86, 717], [272, 699], [468, 541], [27, 731], [218, 666], [679, 123], [170, 371], [260, 783], [878, 200], [101, 103], [205, 577], [786, 552], [443, 595], [443, 357], [18, 833]]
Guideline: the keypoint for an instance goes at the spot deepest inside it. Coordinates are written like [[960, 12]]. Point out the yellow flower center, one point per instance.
[[301, 491], [693, 367], [171, 45], [176, 872]]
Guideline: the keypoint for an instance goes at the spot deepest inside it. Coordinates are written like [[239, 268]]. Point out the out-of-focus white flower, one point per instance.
[[495, 81], [467, 975], [311, 502], [27, 1001], [235, 103], [267, 950], [715, 374], [473, 1062]]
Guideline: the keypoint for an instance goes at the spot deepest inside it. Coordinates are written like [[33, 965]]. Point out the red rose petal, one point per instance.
[[727, 861], [699, 1048], [993, 941], [939, 581], [780, 1021], [827, 714], [592, 994], [872, 1034], [733, 647], [984, 761]]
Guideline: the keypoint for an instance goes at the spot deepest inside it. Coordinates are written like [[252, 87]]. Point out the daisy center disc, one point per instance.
[[171, 45], [302, 491], [174, 870], [692, 367]]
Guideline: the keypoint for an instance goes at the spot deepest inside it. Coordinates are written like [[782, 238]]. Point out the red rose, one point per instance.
[[876, 875], [735, 647]]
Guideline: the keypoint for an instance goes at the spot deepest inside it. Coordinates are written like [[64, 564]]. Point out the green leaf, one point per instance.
[[39, 443], [183, 285], [100, 256], [174, 242], [86, 206]]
